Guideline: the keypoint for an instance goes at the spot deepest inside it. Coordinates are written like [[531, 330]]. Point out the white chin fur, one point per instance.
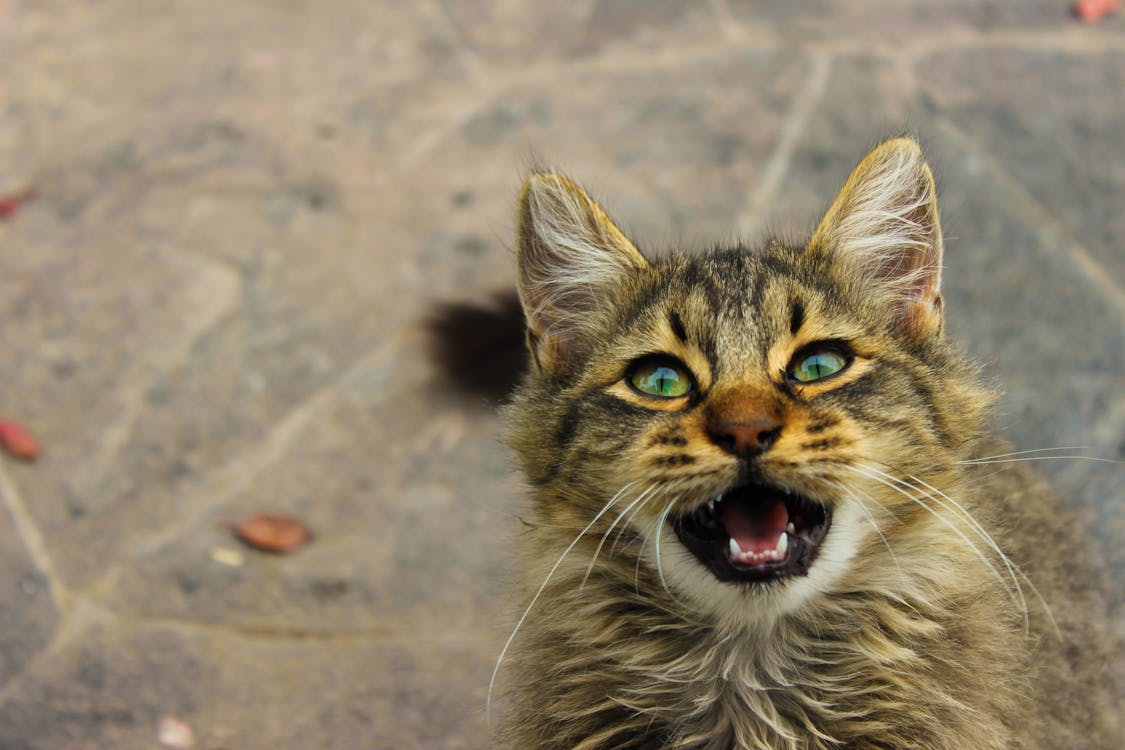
[[757, 606]]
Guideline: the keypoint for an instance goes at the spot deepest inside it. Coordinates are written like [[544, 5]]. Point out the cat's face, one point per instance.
[[735, 416]]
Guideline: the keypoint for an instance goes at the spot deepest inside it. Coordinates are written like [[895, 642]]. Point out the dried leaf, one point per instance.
[[273, 533], [17, 441], [9, 204], [1092, 11]]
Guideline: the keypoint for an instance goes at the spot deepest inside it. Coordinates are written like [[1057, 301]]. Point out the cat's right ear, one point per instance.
[[571, 260]]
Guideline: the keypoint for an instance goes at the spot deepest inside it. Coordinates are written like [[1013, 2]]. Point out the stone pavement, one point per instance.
[[245, 208]]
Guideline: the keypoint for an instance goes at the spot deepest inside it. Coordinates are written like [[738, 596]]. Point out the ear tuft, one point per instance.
[[571, 258], [884, 229]]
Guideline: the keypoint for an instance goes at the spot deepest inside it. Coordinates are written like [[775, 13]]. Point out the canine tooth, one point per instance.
[[782, 545], [791, 529], [735, 550]]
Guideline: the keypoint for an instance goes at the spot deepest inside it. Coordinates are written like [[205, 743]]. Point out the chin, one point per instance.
[[748, 589]]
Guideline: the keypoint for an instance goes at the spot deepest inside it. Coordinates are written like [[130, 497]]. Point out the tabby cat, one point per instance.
[[766, 508]]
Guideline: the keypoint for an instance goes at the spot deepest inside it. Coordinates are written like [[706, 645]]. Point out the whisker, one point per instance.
[[1007, 561], [542, 587], [601, 542], [1014, 570], [917, 500], [669, 487], [983, 461], [855, 491], [659, 530], [1032, 450], [637, 565]]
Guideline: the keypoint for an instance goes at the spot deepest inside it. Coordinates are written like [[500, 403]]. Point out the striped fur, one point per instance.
[[909, 629]]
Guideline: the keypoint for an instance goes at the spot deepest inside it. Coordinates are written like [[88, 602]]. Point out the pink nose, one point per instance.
[[746, 437]]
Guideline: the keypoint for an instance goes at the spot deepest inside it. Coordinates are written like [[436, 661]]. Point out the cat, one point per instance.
[[766, 507]]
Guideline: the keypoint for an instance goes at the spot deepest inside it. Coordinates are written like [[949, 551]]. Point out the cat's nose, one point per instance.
[[746, 438]]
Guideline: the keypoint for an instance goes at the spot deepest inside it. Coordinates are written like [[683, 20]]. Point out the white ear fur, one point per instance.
[[570, 258], [884, 228]]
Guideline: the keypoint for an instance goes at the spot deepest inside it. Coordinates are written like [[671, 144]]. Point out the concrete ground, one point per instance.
[[244, 208]]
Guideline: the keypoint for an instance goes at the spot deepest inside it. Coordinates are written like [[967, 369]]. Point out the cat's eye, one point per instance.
[[662, 377], [819, 362]]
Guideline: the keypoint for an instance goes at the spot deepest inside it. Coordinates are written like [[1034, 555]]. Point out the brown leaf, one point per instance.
[[1092, 11], [273, 533], [17, 441], [9, 204]]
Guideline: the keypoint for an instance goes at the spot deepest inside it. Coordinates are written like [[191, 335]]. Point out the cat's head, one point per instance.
[[743, 418]]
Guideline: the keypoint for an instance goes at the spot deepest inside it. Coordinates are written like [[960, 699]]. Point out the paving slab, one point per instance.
[[28, 614], [218, 86], [112, 684], [411, 501], [556, 31], [236, 348], [905, 21], [1044, 116], [672, 159]]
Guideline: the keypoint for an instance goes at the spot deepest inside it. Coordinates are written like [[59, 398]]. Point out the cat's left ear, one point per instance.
[[883, 229], [572, 261]]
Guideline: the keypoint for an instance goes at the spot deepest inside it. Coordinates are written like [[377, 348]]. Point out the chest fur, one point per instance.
[[861, 674]]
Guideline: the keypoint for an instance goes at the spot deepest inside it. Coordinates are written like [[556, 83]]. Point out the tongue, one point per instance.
[[755, 526]]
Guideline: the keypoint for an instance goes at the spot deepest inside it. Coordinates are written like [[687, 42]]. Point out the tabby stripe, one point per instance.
[[677, 325], [819, 445], [822, 425], [796, 317]]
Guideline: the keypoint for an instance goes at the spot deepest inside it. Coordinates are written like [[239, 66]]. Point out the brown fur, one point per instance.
[[909, 629]]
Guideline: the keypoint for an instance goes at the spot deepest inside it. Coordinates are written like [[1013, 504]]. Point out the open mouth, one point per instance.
[[755, 533]]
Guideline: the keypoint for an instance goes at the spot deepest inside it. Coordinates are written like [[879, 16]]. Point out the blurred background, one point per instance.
[[224, 224]]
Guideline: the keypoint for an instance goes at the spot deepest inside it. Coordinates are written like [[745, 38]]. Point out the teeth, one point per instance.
[[776, 554], [782, 545], [791, 529]]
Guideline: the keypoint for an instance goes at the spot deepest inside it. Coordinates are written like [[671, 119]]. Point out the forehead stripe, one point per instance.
[[677, 324]]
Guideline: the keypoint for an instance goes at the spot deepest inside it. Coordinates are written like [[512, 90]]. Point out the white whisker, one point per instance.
[[601, 543], [1032, 450], [983, 461], [632, 516], [854, 492], [659, 530], [917, 500], [1012, 567], [523, 617]]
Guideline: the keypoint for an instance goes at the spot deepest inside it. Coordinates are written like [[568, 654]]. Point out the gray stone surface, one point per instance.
[[244, 210], [112, 683], [1071, 159], [903, 22], [28, 615]]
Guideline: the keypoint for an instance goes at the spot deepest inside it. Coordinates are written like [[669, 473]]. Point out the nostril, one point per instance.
[[746, 438], [767, 438], [727, 442]]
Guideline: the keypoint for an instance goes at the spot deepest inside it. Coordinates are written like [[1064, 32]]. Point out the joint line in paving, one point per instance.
[[792, 129]]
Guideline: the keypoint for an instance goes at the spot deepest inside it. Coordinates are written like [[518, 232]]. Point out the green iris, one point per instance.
[[818, 365], [661, 378]]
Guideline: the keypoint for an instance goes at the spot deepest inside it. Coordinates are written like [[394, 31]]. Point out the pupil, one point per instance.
[[818, 366], [665, 381]]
